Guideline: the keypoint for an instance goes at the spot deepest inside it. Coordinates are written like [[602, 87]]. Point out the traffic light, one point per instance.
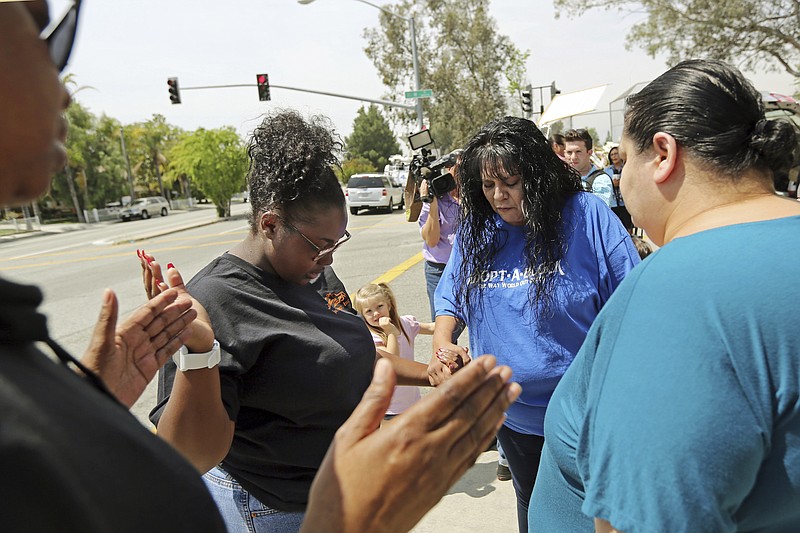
[[554, 91], [263, 87], [527, 106], [174, 90]]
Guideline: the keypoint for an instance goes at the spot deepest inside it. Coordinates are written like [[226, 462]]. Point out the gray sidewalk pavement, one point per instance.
[[478, 502]]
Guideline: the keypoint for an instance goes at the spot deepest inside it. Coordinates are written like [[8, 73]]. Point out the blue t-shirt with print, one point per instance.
[[682, 410], [599, 253]]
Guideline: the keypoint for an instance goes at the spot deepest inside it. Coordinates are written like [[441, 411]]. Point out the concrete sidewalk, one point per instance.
[[477, 502]]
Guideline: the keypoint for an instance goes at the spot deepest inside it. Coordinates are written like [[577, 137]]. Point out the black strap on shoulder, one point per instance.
[[591, 177]]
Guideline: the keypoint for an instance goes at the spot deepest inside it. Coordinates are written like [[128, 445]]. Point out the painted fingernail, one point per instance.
[[138, 253], [170, 265]]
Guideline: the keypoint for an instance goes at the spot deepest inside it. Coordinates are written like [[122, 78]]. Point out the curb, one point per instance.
[[123, 240], [161, 233]]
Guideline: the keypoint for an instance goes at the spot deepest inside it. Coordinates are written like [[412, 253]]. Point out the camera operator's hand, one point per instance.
[[431, 230], [423, 188]]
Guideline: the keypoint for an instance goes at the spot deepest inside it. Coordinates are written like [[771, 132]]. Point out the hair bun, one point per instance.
[[775, 141]]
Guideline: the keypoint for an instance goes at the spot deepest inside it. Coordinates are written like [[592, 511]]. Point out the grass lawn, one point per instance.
[[4, 232]]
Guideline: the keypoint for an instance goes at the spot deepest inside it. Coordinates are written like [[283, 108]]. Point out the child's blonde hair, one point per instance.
[[372, 291]]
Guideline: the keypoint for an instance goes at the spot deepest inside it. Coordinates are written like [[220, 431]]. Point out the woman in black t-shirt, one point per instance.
[[293, 363]]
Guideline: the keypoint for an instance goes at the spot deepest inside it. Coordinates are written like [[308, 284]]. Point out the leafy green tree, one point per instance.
[[96, 166], [750, 33], [148, 144], [372, 138], [595, 137], [472, 69], [216, 160], [357, 165], [557, 127]]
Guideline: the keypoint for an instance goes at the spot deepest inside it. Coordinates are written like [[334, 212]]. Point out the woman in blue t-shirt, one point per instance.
[[534, 261]]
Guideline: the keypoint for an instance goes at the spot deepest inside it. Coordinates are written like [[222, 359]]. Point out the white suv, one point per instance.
[[144, 208], [373, 190]]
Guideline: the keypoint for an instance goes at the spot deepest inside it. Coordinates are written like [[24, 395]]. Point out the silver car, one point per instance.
[[373, 190], [146, 207]]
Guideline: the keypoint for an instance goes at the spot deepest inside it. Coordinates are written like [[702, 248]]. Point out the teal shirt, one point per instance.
[[681, 412]]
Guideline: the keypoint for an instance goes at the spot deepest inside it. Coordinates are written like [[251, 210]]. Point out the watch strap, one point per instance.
[[193, 361]]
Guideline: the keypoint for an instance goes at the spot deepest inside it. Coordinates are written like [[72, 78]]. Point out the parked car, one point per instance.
[[146, 207], [373, 190]]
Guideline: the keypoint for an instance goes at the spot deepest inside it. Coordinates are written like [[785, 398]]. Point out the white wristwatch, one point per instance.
[[192, 361]]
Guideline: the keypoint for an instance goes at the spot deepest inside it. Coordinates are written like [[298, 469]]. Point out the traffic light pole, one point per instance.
[[553, 92], [541, 97], [312, 91]]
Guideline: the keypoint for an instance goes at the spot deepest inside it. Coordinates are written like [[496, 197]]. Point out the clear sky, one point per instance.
[[127, 49]]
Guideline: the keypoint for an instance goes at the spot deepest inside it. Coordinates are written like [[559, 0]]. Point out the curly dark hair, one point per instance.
[[507, 147], [292, 163]]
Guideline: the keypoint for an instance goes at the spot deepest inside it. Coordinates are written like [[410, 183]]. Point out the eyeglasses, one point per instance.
[[321, 252], [62, 36]]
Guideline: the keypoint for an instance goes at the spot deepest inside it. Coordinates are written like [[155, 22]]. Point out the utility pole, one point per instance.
[[127, 163], [74, 194]]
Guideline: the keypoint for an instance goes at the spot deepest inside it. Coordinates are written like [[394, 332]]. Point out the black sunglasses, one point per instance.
[[61, 38]]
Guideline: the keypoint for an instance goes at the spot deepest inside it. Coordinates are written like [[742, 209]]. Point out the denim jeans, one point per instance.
[[433, 273], [243, 512], [523, 453]]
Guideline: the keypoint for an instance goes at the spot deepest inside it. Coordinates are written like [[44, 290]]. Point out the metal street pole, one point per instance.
[[127, 164], [415, 61], [414, 58]]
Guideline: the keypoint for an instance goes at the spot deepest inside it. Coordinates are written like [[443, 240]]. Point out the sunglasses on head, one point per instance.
[[61, 37]]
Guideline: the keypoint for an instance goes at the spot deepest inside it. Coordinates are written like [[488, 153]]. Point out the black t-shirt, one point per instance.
[[295, 362], [75, 459]]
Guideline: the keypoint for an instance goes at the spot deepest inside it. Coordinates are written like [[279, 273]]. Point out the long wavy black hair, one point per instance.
[[292, 163], [505, 147]]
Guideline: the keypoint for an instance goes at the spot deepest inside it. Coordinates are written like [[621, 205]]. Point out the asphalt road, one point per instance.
[[73, 269]]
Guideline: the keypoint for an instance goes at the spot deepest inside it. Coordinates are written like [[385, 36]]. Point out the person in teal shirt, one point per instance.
[[681, 412]]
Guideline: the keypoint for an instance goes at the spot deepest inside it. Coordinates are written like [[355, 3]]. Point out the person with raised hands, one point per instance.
[[290, 358], [78, 459]]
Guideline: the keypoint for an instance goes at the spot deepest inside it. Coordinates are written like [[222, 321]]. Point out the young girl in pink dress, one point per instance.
[[392, 333]]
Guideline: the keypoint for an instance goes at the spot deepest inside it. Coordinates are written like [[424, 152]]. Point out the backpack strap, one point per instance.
[[591, 177]]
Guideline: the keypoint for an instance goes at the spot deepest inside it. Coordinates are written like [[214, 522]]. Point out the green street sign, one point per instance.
[[423, 93]]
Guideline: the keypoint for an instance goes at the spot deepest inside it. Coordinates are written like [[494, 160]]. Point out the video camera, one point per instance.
[[425, 166]]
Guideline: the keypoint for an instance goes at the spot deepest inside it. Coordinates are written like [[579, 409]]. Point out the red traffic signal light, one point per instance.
[[263, 87], [174, 90]]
